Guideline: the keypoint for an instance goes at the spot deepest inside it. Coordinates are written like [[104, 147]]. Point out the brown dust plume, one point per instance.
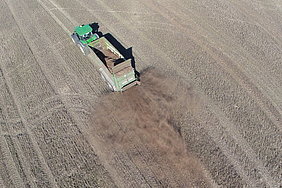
[[144, 124]]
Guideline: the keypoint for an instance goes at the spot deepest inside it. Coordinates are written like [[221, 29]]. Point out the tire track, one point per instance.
[[224, 61], [225, 122], [276, 120], [239, 71], [15, 150], [17, 158], [262, 21], [94, 59], [4, 171], [277, 123], [56, 81], [16, 102], [2, 182], [34, 143], [90, 12], [91, 56], [12, 171], [232, 152], [69, 18]]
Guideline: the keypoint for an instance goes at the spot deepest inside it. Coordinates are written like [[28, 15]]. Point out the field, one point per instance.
[[207, 114]]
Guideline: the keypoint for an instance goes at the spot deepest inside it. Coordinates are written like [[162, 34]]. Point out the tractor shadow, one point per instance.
[[95, 27]]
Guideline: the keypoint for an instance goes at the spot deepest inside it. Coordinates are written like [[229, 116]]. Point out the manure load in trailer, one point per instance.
[[114, 68]]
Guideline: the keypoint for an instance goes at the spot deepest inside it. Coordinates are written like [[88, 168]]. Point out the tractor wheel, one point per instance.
[[82, 49], [73, 40]]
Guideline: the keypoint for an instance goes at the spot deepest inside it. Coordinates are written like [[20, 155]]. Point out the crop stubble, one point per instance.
[[231, 54], [30, 89]]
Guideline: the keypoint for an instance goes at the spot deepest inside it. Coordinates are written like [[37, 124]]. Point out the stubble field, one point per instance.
[[208, 112]]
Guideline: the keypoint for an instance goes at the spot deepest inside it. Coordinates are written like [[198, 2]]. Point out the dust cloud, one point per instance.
[[148, 118]]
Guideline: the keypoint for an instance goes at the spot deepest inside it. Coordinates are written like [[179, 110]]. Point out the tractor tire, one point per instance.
[[84, 49], [81, 49], [73, 40]]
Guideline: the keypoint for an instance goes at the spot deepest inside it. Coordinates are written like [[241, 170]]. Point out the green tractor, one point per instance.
[[114, 68], [82, 36]]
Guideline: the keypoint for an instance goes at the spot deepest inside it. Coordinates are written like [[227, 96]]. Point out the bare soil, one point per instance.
[[210, 116]]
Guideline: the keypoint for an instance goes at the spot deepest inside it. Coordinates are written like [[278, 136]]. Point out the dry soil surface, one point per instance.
[[209, 114]]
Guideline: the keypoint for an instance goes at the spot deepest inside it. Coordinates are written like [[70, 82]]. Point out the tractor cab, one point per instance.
[[85, 34]]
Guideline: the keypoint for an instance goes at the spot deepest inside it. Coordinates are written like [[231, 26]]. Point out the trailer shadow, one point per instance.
[[127, 53]]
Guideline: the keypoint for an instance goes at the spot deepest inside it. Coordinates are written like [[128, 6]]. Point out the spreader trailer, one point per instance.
[[115, 70]]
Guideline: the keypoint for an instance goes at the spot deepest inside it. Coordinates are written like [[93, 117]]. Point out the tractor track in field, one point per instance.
[[223, 61], [218, 126]]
